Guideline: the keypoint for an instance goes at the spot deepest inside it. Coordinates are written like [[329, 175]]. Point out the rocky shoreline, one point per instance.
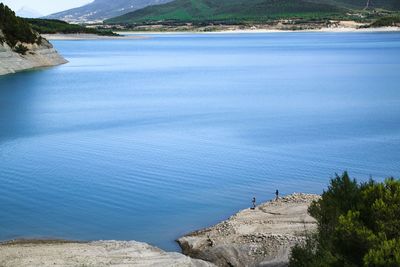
[[93, 254], [37, 56], [259, 237]]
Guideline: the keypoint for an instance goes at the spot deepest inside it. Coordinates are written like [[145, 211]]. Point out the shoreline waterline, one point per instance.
[[139, 35], [272, 30]]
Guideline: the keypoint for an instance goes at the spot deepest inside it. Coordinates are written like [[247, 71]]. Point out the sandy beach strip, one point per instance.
[[271, 30], [326, 30], [132, 35]]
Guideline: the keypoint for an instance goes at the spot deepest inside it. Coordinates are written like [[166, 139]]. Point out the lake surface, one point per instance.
[[150, 139]]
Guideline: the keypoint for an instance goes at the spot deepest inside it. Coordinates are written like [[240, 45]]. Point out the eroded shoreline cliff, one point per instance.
[[37, 56]]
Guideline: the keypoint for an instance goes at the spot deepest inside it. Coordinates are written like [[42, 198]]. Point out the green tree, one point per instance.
[[358, 225], [387, 254], [15, 29]]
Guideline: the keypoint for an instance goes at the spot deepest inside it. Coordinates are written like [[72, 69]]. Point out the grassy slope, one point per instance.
[[225, 10]]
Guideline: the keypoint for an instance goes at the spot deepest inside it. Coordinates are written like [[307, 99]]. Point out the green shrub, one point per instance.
[[387, 254], [51, 26], [386, 21], [358, 225], [21, 49]]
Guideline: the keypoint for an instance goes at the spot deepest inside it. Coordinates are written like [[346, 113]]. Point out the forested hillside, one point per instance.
[[15, 29], [223, 10], [250, 10]]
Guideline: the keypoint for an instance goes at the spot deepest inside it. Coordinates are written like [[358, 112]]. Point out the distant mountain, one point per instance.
[[100, 10], [26, 12], [246, 10]]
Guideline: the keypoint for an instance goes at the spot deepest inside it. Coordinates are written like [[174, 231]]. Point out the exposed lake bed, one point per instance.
[[150, 139]]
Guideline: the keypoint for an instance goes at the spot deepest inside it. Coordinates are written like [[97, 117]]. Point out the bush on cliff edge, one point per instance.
[[358, 225]]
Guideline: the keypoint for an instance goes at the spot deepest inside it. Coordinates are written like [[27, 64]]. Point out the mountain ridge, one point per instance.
[[99, 10]]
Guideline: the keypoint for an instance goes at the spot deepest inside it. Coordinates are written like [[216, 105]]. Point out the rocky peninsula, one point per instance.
[[43, 55], [262, 236], [22, 48]]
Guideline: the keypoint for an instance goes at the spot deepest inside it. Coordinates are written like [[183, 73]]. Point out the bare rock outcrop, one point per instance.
[[93, 254], [43, 55], [260, 237]]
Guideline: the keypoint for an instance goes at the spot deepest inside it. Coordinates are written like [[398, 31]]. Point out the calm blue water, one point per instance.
[[150, 139]]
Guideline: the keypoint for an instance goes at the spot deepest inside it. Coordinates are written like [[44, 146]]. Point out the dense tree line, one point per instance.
[[358, 225], [15, 29], [51, 26], [387, 21]]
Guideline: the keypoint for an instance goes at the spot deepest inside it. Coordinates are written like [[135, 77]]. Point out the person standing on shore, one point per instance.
[[254, 203], [276, 194]]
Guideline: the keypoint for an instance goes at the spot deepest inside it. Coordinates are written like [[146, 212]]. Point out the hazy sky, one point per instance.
[[45, 7]]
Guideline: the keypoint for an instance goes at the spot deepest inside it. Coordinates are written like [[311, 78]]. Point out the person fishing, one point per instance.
[[254, 203], [276, 194]]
